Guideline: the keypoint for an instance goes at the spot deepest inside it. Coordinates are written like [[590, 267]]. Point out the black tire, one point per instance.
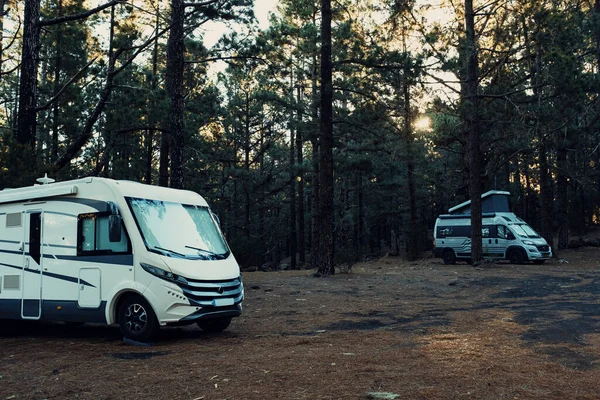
[[214, 325], [516, 257], [137, 319], [538, 262], [449, 257]]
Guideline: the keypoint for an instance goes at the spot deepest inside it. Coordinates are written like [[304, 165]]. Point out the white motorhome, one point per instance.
[[504, 235], [106, 251]]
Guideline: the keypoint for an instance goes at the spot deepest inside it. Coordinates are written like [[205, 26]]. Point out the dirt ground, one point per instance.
[[388, 329]]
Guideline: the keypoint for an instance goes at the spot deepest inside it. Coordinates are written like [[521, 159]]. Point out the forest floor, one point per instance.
[[407, 330]]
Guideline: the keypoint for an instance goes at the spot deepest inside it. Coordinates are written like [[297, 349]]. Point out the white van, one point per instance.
[[106, 251], [504, 235]]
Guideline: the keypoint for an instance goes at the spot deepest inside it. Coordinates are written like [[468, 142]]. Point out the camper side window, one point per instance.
[[93, 236], [502, 232]]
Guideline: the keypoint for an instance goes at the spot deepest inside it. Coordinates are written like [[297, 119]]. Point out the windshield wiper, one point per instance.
[[210, 253], [167, 252]]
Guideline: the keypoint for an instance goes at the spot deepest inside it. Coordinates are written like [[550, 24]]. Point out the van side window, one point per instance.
[[485, 232], [445, 231], [502, 232], [93, 236]]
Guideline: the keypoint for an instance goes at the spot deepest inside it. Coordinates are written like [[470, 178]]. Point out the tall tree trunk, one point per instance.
[[153, 107], [301, 233], [174, 85], [315, 241], [26, 118], [470, 130], [562, 202], [2, 12], [413, 237], [326, 265], [293, 231], [246, 184], [57, 68]]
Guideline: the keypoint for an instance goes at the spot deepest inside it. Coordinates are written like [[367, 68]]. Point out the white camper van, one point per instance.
[[106, 251], [504, 235]]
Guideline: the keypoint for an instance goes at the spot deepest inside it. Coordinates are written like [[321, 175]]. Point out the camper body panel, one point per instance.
[[504, 236], [81, 276]]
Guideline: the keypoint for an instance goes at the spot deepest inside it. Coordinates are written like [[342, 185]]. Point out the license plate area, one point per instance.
[[222, 302]]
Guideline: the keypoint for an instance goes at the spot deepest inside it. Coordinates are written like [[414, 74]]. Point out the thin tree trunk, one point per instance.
[[153, 107], [293, 231], [562, 202], [57, 68], [413, 237], [301, 232], [469, 113], [326, 264], [174, 85], [2, 4], [247, 164], [315, 216]]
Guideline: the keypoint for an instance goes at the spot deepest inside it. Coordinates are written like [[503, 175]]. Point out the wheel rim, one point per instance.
[[136, 318]]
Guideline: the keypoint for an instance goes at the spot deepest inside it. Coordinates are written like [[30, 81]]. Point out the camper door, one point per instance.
[[31, 302]]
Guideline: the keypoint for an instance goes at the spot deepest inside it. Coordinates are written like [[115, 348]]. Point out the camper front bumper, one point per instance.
[[182, 304], [538, 252]]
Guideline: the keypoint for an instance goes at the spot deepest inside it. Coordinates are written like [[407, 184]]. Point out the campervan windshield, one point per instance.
[[524, 230], [178, 230]]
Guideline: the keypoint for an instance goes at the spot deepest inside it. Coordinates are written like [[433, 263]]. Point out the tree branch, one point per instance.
[[203, 4], [66, 85], [75, 17]]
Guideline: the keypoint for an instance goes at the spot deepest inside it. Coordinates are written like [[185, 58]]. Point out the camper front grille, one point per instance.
[[543, 248], [211, 293]]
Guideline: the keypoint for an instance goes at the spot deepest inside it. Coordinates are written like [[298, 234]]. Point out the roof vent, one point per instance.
[[45, 180]]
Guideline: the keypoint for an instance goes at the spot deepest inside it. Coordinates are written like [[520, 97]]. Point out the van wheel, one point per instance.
[[137, 319], [449, 257], [214, 325], [515, 257]]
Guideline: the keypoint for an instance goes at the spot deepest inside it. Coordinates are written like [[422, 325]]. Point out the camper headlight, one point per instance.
[[161, 273], [528, 242]]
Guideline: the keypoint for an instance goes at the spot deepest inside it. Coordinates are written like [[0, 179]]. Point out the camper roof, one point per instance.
[[466, 205], [36, 192]]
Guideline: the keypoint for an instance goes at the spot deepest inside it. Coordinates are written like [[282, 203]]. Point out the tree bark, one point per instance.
[[326, 264], [174, 85], [26, 118]]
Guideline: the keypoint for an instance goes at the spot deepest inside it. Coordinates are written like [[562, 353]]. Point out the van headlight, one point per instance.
[[161, 273], [528, 242]]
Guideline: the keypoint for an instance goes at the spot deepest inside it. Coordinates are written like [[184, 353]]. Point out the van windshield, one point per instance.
[[524, 230], [178, 230]]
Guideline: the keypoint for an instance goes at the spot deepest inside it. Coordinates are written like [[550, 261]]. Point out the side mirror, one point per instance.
[[114, 228], [510, 236]]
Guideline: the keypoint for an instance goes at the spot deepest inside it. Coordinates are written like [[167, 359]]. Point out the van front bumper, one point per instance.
[[533, 253], [176, 305]]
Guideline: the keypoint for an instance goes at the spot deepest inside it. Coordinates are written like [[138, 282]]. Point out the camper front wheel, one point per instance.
[[137, 319], [515, 257], [449, 257], [214, 325]]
